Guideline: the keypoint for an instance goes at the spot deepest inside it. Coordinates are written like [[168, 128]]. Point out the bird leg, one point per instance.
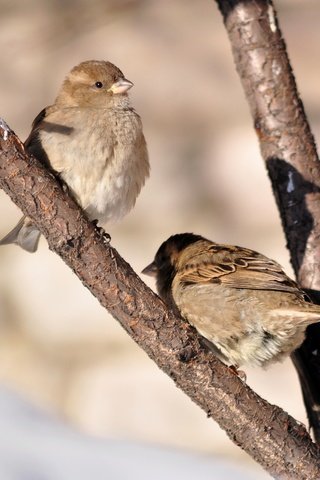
[[239, 373], [101, 232]]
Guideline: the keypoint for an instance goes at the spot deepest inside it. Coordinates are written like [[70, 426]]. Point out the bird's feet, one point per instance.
[[62, 183], [240, 373], [105, 237]]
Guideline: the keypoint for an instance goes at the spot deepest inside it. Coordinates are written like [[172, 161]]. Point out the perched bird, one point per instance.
[[242, 302], [92, 138]]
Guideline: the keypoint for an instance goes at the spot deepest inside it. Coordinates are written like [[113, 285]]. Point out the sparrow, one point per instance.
[[92, 138], [248, 310]]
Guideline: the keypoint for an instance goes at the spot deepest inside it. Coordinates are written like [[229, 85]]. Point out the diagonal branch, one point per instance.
[[289, 150], [281, 445]]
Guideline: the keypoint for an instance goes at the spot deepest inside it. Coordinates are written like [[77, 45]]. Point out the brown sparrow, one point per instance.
[[239, 300], [93, 139]]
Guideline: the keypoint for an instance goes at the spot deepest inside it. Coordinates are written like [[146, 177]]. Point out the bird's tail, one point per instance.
[[24, 234], [304, 316]]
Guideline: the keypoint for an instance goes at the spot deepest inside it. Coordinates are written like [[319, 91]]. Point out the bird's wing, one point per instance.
[[35, 128], [237, 267], [33, 143]]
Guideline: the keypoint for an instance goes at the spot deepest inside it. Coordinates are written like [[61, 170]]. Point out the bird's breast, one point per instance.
[[102, 157]]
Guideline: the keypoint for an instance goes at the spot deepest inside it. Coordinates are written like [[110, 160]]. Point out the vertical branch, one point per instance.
[[288, 148]]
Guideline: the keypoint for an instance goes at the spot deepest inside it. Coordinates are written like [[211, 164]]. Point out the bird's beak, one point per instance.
[[121, 86], [150, 270]]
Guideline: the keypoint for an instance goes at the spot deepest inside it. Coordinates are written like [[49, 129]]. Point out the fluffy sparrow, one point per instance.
[[242, 302], [93, 139]]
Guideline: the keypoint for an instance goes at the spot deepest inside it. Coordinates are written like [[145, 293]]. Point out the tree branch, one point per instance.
[[271, 436], [289, 150]]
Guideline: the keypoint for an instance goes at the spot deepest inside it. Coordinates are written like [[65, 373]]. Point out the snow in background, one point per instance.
[[36, 446]]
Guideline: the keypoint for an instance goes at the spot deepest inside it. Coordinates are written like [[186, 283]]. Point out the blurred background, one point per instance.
[[58, 348]]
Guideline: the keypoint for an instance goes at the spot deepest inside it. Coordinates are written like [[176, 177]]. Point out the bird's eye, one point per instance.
[[99, 84]]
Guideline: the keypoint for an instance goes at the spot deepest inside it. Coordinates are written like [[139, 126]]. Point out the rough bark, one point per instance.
[[272, 437], [289, 150]]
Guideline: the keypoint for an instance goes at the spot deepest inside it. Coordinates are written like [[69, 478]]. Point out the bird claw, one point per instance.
[[65, 187], [239, 373], [105, 237], [62, 182], [5, 129]]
